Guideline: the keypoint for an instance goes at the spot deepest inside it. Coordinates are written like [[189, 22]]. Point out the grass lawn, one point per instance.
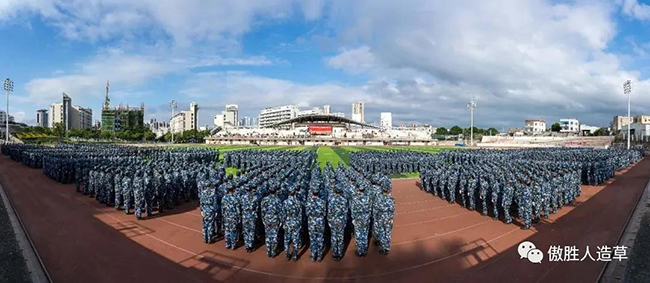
[[332, 154], [327, 154], [231, 170], [405, 175]]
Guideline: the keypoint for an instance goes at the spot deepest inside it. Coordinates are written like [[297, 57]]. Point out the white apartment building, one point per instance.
[[569, 126], [270, 116], [386, 120], [535, 126], [229, 118], [71, 117], [358, 112], [185, 120]]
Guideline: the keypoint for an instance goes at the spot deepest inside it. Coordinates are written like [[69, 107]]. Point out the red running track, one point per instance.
[[81, 240]]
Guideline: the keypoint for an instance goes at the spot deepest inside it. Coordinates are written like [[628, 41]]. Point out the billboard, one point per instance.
[[315, 129]]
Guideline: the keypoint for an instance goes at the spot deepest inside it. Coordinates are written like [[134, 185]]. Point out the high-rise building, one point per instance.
[[3, 118], [270, 116], [228, 119], [116, 119], [386, 121], [160, 128], [313, 111], [358, 112], [185, 120], [327, 110], [245, 122], [69, 116], [41, 118]]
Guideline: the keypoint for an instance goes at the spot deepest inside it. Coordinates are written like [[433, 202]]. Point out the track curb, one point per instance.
[[615, 271], [37, 270]]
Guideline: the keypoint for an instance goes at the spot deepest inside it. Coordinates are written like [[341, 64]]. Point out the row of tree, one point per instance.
[[140, 134], [456, 130]]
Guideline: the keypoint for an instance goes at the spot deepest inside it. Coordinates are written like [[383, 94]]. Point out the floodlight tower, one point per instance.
[[172, 106], [8, 87], [627, 89], [471, 106]]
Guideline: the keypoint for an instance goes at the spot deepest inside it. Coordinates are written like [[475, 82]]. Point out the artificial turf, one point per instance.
[[331, 154]]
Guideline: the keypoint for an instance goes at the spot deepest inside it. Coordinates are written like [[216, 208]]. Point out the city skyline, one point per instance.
[[538, 58]]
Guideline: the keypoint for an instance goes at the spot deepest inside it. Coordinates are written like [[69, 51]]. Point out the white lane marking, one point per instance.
[[426, 209], [443, 234], [433, 220]]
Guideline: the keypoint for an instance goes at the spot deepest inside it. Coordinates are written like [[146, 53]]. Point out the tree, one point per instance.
[[556, 127], [442, 131], [491, 131], [601, 132], [75, 133], [58, 130], [106, 135], [455, 130], [149, 135]]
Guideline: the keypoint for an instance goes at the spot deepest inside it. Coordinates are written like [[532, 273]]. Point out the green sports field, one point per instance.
[[333, 154]]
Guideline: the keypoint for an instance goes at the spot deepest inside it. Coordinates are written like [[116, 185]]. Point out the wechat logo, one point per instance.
[[528, 250]]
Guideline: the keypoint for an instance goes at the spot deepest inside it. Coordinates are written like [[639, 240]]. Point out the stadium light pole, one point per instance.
[[627, 89], [172, 105], [8, 87], [471, 106]]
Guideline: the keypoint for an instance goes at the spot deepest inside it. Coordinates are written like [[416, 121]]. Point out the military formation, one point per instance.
[[136, 180], [278, 198], [528, 183], [285, 198]]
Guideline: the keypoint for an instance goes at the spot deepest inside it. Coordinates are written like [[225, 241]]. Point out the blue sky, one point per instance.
[[421, 60]]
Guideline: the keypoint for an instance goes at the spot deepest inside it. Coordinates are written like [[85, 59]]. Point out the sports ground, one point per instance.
[[81, 240]]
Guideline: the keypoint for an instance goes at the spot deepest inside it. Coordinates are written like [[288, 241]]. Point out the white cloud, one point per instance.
[[522, 58], [354, 61], [184, 22], [426, 59], [636, 10]]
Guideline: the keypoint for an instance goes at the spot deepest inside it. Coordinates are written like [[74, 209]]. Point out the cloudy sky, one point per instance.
[[422, 60]]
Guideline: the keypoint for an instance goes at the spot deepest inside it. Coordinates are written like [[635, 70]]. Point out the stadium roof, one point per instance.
[[322, 119]]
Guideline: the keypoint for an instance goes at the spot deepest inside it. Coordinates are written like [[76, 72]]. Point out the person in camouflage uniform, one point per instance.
[[232, 218], [127, 193], [206, 204], [361, 208], [383, 213], [250, 207], [149, 192], [117, 187], [316, 210], [271, 218], [292, 215], [138, 194], [337, 212]]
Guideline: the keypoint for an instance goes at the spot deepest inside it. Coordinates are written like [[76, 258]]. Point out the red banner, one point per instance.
[[320, 129]]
